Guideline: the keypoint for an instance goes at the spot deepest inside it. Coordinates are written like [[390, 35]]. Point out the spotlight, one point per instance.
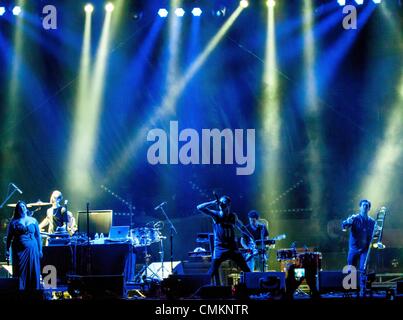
[[219, 12], [16, 10], [89, 8], [2, 11], [109, 7], [179, 12], [341, 2], [197, 12], [163, 13], [359, 2], [377, 1], [244, 3], [137, 15], [271, 3]]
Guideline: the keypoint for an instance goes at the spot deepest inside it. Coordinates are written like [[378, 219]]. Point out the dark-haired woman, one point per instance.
[[25, 241]]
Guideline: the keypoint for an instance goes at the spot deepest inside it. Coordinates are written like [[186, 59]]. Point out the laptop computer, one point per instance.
[[118, 233]]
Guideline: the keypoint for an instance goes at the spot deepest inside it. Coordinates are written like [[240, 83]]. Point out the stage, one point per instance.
[[159, 152]]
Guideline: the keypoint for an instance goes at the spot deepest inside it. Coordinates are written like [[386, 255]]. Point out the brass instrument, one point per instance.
[[376, 240]]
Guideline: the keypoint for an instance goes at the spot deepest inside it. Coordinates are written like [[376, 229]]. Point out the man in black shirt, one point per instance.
[[362, 227], [225, 245], [257, 257]]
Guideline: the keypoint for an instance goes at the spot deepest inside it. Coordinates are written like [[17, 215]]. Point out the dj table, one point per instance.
[[91, 260]]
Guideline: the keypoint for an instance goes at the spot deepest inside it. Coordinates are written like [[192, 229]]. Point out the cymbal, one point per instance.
[[33, 204], [38, 204]]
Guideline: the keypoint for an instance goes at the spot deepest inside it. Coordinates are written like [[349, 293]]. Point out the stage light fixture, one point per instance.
[[17, 10], [219, 12], [163, 13], [109, 7], [2, 11], [377, 1], [359, 2], [137, 15], [271, 3], [341, 2], [179, 12], [89, 8], [244, 3], [197, 12]]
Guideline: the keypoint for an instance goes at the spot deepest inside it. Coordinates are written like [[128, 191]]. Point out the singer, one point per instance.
[[258, 231], [24, 239], [225, 245], [362, 227], [56, 217]]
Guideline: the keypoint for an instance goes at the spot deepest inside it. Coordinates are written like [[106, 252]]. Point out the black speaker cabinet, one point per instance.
[[9, 286], [181, 286], [265, 281], [399, 288], [99, 286], [332, 281]]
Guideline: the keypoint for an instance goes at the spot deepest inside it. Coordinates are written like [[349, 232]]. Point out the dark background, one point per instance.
[[357, 74]]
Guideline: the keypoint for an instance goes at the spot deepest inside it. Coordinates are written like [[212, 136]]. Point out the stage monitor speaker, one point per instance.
[[332, 281], [399, 288], [102, 286], [266, 281], [215, 292], [157, 270], [9, 286], [182, 286]]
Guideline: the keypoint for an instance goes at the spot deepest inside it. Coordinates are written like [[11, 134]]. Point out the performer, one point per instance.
[[257, 259], [55, 216], [362, 227], [24, 238], [225, 246]]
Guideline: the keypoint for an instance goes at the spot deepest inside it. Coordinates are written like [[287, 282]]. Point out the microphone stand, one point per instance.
[[88, 241], [172, 230], [7, 198]]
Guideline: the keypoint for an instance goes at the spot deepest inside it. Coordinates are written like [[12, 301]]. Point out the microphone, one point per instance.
[[160, 205], [216, 197], [16, 188]]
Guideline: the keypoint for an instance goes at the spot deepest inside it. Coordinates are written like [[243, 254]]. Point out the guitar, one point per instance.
[[255, 247]]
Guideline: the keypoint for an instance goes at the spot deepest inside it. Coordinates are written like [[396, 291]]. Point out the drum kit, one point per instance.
[[144, 237], [300, 258]]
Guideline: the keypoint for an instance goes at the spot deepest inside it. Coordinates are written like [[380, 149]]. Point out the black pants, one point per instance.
[[220, 257], [357, 259]]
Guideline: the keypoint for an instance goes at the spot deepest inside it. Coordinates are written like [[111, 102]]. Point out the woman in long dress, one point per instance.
[[24, 238]]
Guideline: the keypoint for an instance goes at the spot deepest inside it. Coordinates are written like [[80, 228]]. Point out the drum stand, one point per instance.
[[145, 268], [162, 268]]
